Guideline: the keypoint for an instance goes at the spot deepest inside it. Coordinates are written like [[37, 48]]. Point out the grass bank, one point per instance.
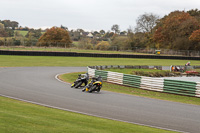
[[57, 49], [71, 77], [20, 117], [22, 61], [145, 72]]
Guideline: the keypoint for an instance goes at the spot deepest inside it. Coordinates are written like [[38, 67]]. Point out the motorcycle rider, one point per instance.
[[188, 63], [94, 79], [82, 78], [86, 76]]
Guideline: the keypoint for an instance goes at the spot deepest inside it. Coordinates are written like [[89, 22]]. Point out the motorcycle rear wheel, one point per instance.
[[98, 90], [92, 88]]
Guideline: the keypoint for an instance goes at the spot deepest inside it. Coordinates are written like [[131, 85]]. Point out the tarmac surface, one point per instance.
[[39, 85]]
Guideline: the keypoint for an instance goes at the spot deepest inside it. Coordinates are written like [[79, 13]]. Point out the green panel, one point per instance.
[[187, 83], [132, 80], [103, 74], [180, 87]]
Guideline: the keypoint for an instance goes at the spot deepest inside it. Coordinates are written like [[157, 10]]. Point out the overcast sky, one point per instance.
[[87, 14]]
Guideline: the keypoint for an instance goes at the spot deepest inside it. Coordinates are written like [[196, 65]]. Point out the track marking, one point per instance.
[[60, 79]]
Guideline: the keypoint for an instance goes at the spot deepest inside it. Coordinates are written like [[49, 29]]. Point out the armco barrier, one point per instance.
[[178, 87], [197, 94], [43, 53], [155, 84], [103, 74], [114, 77], [131, 80]]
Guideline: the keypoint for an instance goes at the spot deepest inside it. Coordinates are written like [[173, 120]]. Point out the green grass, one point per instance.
[[20, 117], [67, 50], [72, 49], [21, 61], [22, 32], [71, 77], [130, 71], [145, 72]]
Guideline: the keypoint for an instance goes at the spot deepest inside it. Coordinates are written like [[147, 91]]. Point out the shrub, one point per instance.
[[103, 45]]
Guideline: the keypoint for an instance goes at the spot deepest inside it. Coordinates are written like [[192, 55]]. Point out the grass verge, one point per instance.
[[22, 61], [57, 49], [71, 77], [20, 117], [144, 72]]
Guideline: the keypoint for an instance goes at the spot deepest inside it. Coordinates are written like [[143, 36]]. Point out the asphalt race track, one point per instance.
[[39, 85]]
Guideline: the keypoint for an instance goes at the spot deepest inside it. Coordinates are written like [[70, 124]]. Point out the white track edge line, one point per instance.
[[61, 80]]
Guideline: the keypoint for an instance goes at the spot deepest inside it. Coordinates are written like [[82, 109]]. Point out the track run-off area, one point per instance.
[[39, 85]]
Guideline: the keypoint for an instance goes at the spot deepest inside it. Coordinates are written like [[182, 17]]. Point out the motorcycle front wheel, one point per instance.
[[78, 84]]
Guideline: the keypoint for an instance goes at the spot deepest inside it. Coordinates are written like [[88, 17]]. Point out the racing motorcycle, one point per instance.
[[94, 85], [82, 78]]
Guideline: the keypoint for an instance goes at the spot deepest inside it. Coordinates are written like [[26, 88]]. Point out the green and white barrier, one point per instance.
[[101, 73], [180, 87], [197, 94], [91, 72], [114, 77], [155, 84], [132, 80], [148, 83]]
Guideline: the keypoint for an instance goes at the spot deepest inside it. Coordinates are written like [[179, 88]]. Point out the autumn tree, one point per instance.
[[55, 37], [103, 45], [173, 31], [137, 40], [195, 13], [36, 33], [120, 43], [195, 36], [3, 33]]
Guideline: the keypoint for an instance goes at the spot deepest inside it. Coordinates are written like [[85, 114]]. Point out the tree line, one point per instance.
[[179, 30]]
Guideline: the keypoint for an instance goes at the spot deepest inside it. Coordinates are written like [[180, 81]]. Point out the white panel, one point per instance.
[[155, 84], [114, 77], [91, 72]]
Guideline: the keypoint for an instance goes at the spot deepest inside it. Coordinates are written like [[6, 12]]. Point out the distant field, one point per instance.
[[22, 32], [67, 50]]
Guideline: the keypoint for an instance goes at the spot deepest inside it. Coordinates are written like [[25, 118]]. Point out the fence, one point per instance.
[[135, 50], [178, 87]]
